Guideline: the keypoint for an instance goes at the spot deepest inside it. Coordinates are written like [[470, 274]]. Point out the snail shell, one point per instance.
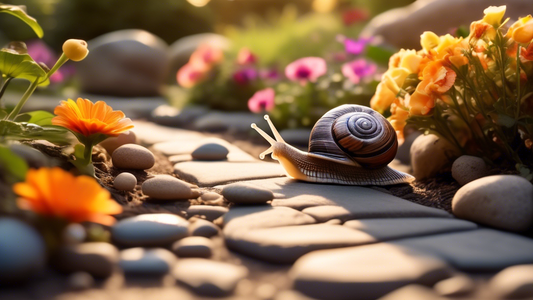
[[349, 145], [354, 133]]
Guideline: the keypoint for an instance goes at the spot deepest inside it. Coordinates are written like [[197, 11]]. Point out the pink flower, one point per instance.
[[40, 52], [188, 75], [245, 76], [205, 56], [262, 100], [246, 57], [357, 69], [306, 69], [355, 47]]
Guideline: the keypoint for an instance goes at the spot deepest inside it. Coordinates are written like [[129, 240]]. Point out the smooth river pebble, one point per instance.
[[241, 193], [166, 187], [150, 230], [132, 156], [193, 246], [210, 151], [125, 181]]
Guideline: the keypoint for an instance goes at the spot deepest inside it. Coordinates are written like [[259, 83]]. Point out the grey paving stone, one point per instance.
[[286, 244], [207, 277], [149, 133], [178, 150], [341, 202], [213, 173], [266, 216], [481, 250], [364, 272], [395, 228], [150, 230]]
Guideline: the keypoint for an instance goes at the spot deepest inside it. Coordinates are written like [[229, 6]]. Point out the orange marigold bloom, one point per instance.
[[89, 118], [55, 192]]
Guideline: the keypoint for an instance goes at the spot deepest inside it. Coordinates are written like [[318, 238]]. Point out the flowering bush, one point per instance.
[[476, 91]]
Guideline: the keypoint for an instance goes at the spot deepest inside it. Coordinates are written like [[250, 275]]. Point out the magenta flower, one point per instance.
[[306, 69], [246, 57], [270, 74], [262, 101], [357, 69], [245, 76], [40, 52], [355, 47]]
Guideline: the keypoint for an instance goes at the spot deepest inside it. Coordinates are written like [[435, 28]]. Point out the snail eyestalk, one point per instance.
[[274, 130], [268, 138]]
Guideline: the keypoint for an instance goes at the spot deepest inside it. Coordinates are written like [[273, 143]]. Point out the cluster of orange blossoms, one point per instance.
[[416, 80], [200, 63], [54, 192]]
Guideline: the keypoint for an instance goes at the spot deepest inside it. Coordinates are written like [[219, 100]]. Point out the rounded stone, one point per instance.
[[240, 193], [193, 246], [430, 155], [514, 282], [125, 182], [203, 228], [132, 156], [501, 201], [150, 230], [74, 233], [166, 187], [80, 281], [112, 143], [455, 286], [96, 258], [210, 212], [146, 262], [468, 168], [22, 251], [210, 151]]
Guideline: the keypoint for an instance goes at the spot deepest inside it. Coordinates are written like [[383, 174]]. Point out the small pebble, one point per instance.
[[112, 143], [459, 285], [98, 259], [166, 187], [146, 262], [210, 196], [125, 182], [150, 230], [514, 282], [209, 211], [74, 233], [210, 151], [203, 228], [240, 193], [132, 156], [193, 246], [468, 168], [80, 281]]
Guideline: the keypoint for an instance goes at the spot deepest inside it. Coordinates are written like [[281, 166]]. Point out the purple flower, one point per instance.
[[245, 76], [40, 52], [355, 47], [262, 100], [270, 74], [306, 69], [357, 69]]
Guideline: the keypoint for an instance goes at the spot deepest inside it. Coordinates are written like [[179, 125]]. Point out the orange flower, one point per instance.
[[89, 118], [55, 192], [398, 119]]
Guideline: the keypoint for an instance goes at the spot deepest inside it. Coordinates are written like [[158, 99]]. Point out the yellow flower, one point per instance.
[[382, 99], [394, 79], [87, 118], [54, 192], [410, 61], [494, 15], [429, 40], [522, 33], [75, 50]]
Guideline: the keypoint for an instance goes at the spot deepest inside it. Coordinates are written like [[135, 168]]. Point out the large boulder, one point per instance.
[[402, 27], [125, 63]]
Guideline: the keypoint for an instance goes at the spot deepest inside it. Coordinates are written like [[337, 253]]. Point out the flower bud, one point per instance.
[[75, 50], [524, 33], [494, 15], [429, 40]]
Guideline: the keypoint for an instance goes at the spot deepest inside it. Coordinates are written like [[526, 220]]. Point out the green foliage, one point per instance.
[[20, 12], [13, 167], [38, 117], [15, 64], [19, 131], [287, 37]]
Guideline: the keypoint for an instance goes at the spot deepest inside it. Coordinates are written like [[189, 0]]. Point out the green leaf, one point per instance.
[[38, 117], [13, 165], [379, 54], [10, 130], [19, 12], [21, 65]]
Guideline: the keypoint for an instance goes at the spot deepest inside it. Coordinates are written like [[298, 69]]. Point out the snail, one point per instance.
[[350, 145]]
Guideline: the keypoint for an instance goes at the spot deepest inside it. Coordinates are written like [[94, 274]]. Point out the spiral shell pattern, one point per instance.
[[357, 133]]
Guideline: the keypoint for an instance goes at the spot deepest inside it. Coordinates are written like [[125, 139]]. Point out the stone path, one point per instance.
[[312, 241]]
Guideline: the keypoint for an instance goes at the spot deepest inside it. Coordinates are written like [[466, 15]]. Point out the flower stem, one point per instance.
[[3, 89], [23, 100], [88, 153], [62, 60]]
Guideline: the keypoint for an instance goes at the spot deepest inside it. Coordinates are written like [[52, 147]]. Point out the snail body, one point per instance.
[[349, 145]]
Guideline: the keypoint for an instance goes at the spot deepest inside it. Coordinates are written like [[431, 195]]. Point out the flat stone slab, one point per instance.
[[246, 218], [364, 272], [286, 244], [325, 202], [480, 250], [211, 173], [397, 228], [182, 149], [149, 133]]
